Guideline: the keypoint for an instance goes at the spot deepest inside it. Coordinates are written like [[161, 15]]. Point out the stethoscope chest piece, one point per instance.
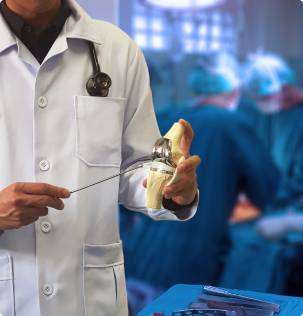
[[103, 80], [97, 90], [99, 85]]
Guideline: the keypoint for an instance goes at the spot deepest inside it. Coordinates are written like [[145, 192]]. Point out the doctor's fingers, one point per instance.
[[186, 138], [23, 213], [189, 164], [35, 211], [42, 201], [187, 180], [185, 196], [40, 188], [144, 183], [22, 217], [25, 222]]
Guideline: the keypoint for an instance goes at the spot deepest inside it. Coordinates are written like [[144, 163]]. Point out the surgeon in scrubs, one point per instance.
[[270, 83], [233, 160], [216, 80], [275, 109]]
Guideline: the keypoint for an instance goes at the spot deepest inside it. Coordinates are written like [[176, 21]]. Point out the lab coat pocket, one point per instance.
[[6, 287], [104, 280], [99, 125]]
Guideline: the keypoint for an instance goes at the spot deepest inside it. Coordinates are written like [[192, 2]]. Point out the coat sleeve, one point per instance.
[[258, 173], [140, 132]]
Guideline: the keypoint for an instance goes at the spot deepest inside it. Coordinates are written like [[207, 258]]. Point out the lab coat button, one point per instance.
[[46, 227], [42, 102], [48, 289], [44, 165]]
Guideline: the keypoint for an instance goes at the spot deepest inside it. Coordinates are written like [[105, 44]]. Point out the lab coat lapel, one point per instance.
[[81, 25], [25, 55], [8, 38], [60, 45]]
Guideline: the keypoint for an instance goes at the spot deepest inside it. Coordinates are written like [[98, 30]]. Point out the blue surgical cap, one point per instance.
[[215, 73], [266, 75]]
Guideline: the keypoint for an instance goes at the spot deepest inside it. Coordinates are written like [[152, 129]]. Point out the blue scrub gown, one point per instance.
[[233, 160], [282, 134], [254, 263]]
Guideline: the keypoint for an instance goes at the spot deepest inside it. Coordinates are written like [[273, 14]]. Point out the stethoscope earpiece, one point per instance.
[[99, 85]]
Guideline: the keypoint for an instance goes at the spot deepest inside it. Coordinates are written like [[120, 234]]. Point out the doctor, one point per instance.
[[53, 135]]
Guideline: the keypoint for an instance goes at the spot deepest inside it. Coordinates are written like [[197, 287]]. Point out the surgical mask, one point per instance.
[[269, 106], [216, 100]]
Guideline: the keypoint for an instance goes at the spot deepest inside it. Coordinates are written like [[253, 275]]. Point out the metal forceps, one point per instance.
[[207, 312]]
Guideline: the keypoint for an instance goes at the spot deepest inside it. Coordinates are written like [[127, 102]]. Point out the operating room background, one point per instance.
[[172, 43], [269, 25], [255, 25]]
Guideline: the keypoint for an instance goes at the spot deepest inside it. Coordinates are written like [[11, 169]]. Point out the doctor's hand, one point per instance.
[[23, 203], [184, 191]]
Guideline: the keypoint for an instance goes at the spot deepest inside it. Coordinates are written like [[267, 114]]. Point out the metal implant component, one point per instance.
[[162, 152]]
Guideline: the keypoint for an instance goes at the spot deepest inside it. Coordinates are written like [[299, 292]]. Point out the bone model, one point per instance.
[[166, 156]]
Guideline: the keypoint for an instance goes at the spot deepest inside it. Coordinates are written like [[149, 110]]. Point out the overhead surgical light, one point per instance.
[[181, 4]]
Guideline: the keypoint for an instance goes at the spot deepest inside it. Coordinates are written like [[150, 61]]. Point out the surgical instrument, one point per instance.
[[207, 312], [249, 311], [219, 305], [219, 292], [237, 302], [111, 177]]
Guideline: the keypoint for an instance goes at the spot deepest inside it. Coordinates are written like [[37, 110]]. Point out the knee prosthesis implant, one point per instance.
[[166, 156]]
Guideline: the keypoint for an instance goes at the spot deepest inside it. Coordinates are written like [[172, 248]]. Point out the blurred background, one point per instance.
[[175, 38], [169, 36], [234, 70]]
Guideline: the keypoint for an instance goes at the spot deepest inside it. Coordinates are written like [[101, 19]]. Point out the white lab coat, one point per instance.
[[84, 139]]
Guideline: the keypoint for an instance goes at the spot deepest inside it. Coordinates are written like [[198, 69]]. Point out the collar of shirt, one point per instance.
[[79, 25], [39, 45]]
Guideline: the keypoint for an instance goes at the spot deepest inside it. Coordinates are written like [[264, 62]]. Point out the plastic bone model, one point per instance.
[[166, 156]]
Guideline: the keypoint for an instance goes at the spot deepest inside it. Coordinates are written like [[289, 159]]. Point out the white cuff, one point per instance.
[[167, 215]]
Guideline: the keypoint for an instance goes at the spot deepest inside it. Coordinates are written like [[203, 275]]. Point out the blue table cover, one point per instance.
[[179, 296]]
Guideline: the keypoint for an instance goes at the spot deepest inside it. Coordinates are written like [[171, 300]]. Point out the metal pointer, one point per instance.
[[111, 177]]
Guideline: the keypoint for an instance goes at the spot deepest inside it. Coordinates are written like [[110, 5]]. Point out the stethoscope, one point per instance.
[[99, 85]]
